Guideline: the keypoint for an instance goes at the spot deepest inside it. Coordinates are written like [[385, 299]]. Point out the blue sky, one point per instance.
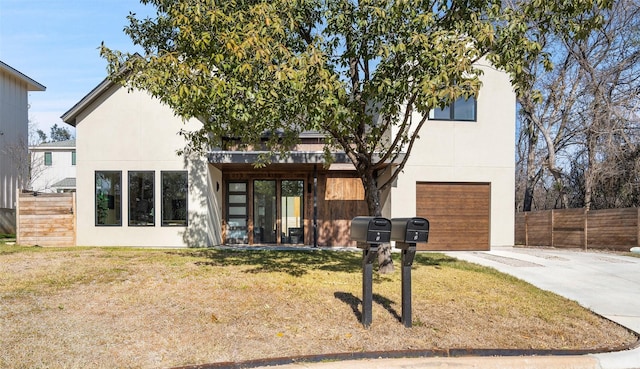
[[55, 42]]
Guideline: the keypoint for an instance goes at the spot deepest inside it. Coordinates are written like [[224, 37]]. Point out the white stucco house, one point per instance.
[[134, 190], [14, 121], [53, 167]]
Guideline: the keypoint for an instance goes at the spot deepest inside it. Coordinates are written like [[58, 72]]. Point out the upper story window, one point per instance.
[[461, 110], [73, 157], [48, 159]]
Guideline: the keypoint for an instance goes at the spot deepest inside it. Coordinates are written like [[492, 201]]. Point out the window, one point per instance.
[[108, 198], [462, 110], [174, 198], [141, 198], [73, 157], [48, 160]]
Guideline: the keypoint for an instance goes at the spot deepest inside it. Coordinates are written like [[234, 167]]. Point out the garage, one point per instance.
[[459, 215]]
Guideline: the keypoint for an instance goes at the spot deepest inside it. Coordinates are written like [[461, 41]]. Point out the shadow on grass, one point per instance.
[[299, 262], [293, 262], [356, 304]]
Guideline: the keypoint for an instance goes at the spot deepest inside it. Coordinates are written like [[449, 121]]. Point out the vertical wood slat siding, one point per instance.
[[46, 219], [613, 229], [459, 215], [341, 199]]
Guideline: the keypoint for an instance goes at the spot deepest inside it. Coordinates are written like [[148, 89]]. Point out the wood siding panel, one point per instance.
[[344, 189], [615, 229], [569, 228], [46, 220], [338, 203], [539, 228], [611, 229], [459, 215], [520, 229]]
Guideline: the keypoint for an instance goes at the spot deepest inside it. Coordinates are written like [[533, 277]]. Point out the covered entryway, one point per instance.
[[265, 211], [295, 200], [459, 215]]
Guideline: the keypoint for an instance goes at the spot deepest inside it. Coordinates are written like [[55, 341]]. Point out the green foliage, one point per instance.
[[257, 73]]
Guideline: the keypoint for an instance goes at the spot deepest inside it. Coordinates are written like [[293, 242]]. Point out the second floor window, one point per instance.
[[461, 110], [48, 160], [73, 157]]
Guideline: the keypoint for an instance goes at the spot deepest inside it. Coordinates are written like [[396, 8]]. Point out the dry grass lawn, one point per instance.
[[133, 308]]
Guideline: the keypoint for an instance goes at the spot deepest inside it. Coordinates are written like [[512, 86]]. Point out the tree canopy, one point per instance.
[[354, 70]]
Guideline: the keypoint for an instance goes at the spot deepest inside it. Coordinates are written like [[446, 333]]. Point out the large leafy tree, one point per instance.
[[355, 70]]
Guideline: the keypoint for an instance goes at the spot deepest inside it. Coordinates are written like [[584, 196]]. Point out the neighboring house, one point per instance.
[[14, 121], [53, 167], [134, 190]]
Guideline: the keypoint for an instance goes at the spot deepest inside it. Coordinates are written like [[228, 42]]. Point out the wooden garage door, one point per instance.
[[458, 214]]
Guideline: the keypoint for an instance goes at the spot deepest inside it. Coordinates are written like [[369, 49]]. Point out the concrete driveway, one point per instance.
[[605, 283]]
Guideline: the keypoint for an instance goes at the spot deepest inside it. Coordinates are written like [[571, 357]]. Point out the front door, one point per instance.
[[271, 210], [237, 212], [265, 212]]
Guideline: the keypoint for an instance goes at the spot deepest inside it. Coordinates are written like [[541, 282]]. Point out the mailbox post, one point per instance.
[[407, 232], [369, 233]]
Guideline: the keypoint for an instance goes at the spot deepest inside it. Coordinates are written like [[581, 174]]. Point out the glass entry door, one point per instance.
[[291, 196], [265, 217], [237, 213]]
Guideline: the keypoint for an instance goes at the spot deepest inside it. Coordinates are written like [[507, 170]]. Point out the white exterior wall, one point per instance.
[[13, 138], [481, 151], [124, 131], [43, 176]]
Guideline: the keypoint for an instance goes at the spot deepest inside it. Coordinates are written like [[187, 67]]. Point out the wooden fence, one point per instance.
[[611, 229], [46, 219]]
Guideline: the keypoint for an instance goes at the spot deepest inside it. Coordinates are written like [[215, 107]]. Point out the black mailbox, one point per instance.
[[370, 230], [409, 231]]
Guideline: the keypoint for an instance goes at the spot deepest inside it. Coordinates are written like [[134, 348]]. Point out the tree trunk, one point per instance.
[[589, 172], [533, 173], [372, 196]]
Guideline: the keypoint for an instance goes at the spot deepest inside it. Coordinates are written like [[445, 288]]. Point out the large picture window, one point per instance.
[[462, 110], [174, 198], [141, 198], [108, 198]]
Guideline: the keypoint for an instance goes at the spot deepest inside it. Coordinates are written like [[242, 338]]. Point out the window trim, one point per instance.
[[153, 198], [162, 207], [452, 110], [95, 198]]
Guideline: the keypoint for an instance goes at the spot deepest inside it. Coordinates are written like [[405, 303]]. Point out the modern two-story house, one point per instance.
[[14, 121], [133, 189]]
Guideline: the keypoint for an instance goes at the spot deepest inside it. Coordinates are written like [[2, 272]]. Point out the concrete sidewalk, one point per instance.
[[605, 283]]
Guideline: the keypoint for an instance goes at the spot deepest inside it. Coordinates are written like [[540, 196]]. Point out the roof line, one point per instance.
[[71, 115], [31, 83]]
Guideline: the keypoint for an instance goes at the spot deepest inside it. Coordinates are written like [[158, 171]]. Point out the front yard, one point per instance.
[[106, 308]]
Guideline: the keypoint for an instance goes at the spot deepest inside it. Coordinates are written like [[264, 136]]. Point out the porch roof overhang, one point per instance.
[[231, 159], [234, 158]]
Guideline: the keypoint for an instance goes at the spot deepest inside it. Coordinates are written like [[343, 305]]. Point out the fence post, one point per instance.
[[638, 227], [19, 193], [526, 229], [74, 210], [553, 211], [586, 228]]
